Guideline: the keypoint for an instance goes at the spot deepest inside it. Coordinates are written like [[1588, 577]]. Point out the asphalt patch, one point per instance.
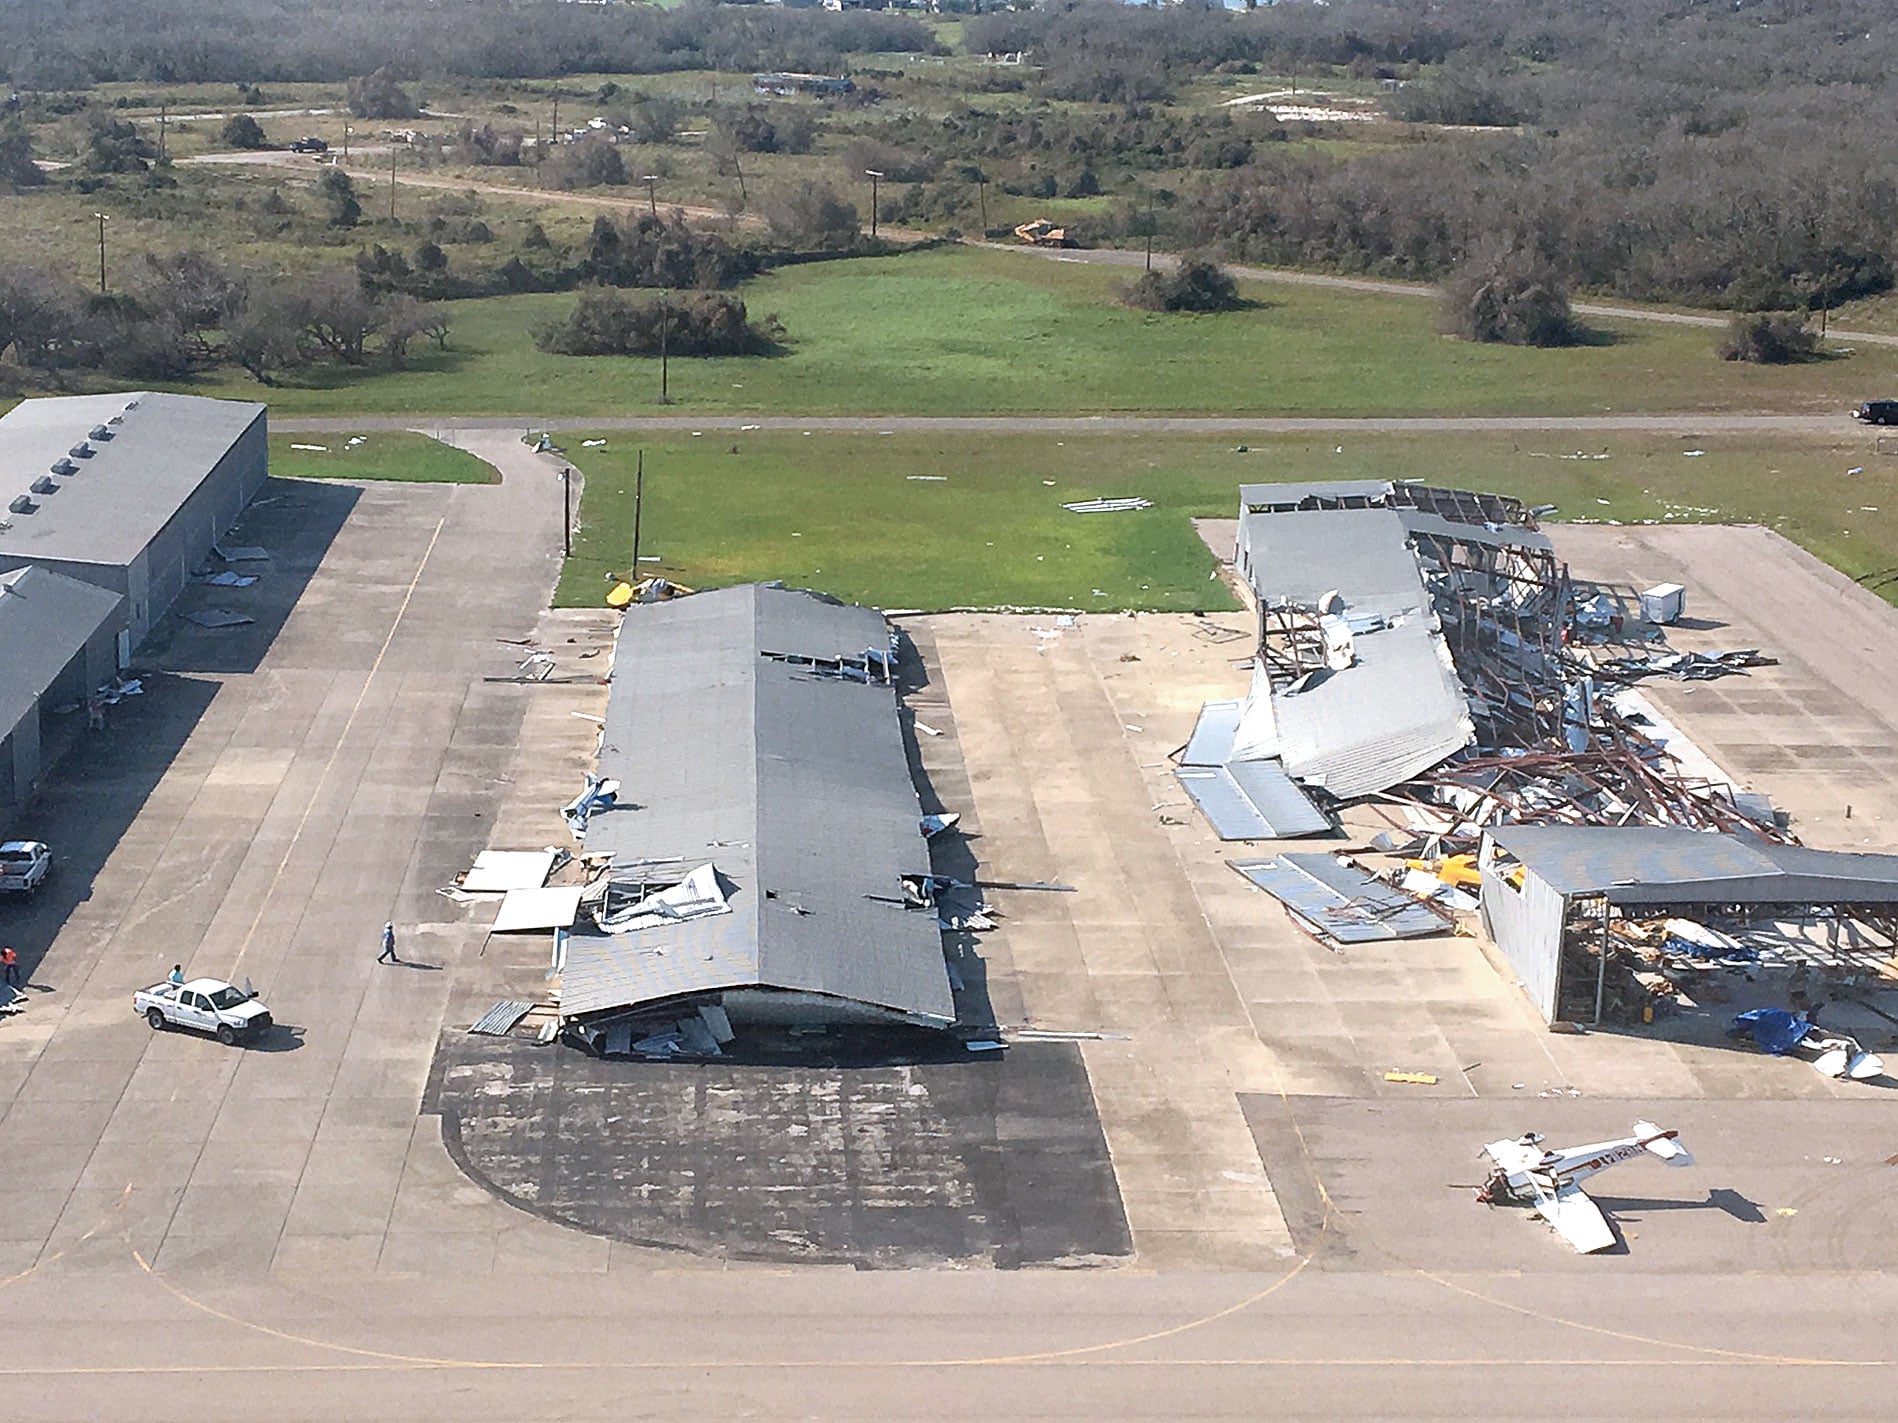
[[999, 1161]]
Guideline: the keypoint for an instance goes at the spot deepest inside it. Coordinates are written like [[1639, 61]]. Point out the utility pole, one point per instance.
[[392, 147], [347, 131], [163, 115], [665, 330], [639, 500], [982, 199], [102, 222], [875, 176], [566, 510], [651, 180], [556, 113]]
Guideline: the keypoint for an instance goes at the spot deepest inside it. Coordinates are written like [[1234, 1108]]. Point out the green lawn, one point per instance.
[[970, 332], [839, 512], [398, 455]]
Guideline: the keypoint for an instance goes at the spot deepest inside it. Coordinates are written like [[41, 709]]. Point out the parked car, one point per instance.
[[24, 866], [207, 1005], [1878, 412], [309, 145]]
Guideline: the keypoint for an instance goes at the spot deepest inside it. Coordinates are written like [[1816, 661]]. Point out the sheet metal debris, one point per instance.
[[501, 1019], [498, 871], [218, 618], [523, 910], [1341, 901], [1107, 506]]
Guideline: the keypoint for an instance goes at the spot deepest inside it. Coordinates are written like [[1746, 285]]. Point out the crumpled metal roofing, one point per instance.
[[1244, 799], [795, 784]]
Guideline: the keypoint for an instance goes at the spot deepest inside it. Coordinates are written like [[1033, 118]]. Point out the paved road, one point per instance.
[[1098, 424]]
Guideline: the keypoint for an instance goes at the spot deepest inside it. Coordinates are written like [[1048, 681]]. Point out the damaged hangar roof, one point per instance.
[[1637, 864], [734, 745]]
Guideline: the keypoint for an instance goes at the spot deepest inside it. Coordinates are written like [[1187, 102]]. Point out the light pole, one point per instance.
[[875, 177], [566, 509], [651, 180], [982, 199], [347, 131], [102, 222]]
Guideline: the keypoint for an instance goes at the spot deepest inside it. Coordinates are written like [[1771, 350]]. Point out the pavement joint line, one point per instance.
[[342, 736]]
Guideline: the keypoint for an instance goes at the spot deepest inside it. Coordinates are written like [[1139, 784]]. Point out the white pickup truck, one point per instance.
[[209, 1005], [24, 865]]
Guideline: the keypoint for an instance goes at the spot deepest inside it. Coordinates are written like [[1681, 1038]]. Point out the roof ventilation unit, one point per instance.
[[131, 405], [100, 432], [44, 485], [81, 451], [62, 465], [118, 419], [22, 505]]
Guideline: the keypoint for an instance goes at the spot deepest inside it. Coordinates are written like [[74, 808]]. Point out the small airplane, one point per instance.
[[1523, 1174]]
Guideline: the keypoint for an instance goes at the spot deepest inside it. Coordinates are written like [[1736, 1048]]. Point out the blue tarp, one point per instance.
[[1775, 1030]]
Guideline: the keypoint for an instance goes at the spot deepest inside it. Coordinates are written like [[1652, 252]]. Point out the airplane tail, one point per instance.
[[1664, 1144]]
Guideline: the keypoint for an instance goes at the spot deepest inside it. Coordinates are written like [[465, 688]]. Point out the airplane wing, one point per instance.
[[1577, 1219]]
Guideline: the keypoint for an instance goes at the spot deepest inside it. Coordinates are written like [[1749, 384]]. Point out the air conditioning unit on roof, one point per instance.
[[22, 505], [44, 485]]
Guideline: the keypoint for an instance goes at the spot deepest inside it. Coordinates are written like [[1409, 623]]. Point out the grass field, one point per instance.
[[842, 514], [399, 455], [967, 331]]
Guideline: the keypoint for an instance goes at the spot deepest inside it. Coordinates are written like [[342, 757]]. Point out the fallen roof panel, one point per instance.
[[524, 909], [1211, 744], [1341, 901], [497, 871]]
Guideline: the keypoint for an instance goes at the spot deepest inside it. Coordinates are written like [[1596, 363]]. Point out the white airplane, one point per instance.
[[1523, 1174]]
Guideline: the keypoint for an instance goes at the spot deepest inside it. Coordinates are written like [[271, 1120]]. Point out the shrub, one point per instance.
[[379, 96], [589, 163], [812, 215], [1510, 295], [1193, 284], [607, 322], [243, 131], [1768, 338]]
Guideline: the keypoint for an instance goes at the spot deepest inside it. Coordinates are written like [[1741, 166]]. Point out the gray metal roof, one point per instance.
[[1295, 492], [1394, 714], [1348, 904], [1360, 553], [45, 620], [1417, 521], [119, 496], [1663, 864], [796, 785]]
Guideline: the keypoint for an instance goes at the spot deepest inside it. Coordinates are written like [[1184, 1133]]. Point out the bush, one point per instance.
[[811, 215], [606, 322], [1193, 284], [1768, 338], [379, 96], [339, 195], [1510, 295], [589, 163], [243, 131]]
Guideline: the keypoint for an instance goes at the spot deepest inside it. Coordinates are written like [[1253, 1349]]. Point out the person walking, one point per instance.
[[10, 966], [388, 945], [177, 976]]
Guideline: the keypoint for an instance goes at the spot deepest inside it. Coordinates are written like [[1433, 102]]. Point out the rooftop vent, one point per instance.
[[116, 420], [81, 451], [45, 485], [62, 465], [101, 432], [131, 405], [22, 505]]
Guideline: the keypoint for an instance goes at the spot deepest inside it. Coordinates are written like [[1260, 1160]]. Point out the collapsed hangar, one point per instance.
[[765, 852], [1398, 624]]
